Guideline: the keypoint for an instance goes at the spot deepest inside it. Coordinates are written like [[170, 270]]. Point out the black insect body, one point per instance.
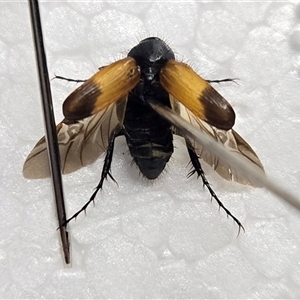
[[148, 135], [116, 101]]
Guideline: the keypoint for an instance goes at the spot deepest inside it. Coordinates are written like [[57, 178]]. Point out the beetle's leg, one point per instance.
[[197, 168], [105, 172]]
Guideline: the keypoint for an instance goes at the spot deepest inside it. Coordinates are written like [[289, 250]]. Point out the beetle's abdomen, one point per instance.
[[149, 138]]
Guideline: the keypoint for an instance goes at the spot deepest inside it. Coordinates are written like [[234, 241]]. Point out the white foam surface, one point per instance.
[[164, 239]]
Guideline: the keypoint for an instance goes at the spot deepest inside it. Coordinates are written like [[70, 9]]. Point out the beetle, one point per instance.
[[117, 101]]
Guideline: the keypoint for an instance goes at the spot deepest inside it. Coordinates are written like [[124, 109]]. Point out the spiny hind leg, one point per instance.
[[197, 168], [105, 172]]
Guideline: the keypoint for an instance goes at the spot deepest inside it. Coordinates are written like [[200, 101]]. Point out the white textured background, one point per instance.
[[164, 239]]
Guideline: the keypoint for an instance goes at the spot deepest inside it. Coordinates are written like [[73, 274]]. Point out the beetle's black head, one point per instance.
[[151, 54]]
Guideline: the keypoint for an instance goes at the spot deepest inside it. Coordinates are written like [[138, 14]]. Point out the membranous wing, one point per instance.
[[80, 142], [229, 138]]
